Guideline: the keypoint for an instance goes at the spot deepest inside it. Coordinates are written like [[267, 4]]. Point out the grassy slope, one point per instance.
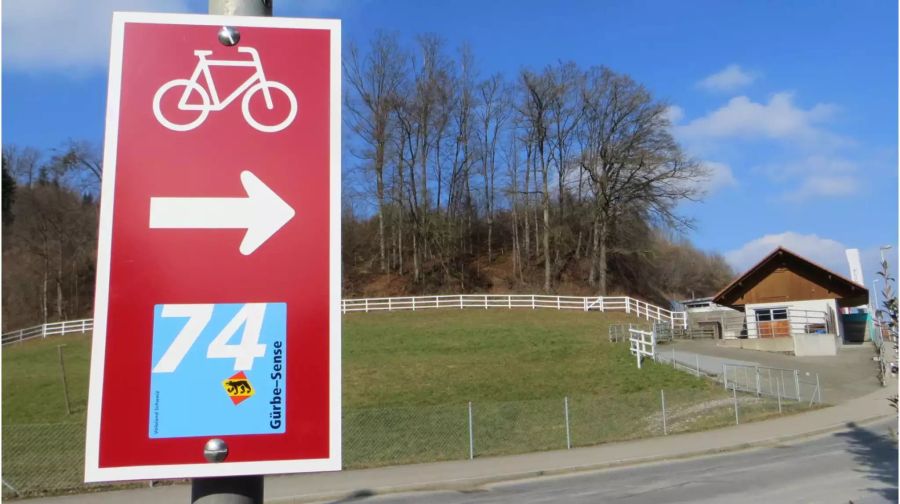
[[448, 356], [402, 359], [32, 382]]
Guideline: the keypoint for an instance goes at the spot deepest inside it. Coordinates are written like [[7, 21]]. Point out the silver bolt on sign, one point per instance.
[[229, 36], [215, 450]]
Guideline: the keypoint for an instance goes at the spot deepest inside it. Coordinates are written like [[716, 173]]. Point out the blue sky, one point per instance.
[[792, 105]]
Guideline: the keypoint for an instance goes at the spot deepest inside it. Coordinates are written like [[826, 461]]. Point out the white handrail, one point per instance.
[[643, 343], [49, 329], [484, 301], [627, 304]]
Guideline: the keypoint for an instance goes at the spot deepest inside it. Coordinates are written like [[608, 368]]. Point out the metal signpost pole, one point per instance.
[[241, 7], [229, 489]]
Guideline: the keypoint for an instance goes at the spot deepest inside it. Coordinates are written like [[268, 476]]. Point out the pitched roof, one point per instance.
[[849, 291]]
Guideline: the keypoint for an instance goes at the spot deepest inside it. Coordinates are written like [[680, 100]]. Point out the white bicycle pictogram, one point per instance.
[[210, 100]]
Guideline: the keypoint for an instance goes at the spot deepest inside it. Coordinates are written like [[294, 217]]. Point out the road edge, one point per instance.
[[475, 482]]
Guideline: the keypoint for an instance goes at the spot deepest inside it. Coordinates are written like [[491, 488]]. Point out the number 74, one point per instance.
[[250, 316]]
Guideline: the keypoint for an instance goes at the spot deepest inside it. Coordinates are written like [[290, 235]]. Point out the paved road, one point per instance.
[[858, 466]]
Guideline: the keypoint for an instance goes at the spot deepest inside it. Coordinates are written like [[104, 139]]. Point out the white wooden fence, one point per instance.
[[51, 329], [643, 344], [625, 304]]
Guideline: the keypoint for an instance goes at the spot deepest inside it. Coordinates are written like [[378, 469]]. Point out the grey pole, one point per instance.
[[662, 396], [758, 390], [818, 388], [778, 393], [471, 435], [231, 489], [227, 490], [737, 421], [568, 434], [62, 372], [241, 7]]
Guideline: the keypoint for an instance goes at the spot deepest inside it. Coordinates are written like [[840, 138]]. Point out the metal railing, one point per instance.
[[619, 332], [640, 309], [50, 329], [664, 332], [773, 382], [797, 322]]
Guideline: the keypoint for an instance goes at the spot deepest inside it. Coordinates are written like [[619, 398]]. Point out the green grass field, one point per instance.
[[32, 380], [401, 359], [454, 356], [408, 379]]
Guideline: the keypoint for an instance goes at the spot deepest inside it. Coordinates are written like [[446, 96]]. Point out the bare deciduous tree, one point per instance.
[[631, 158], [492, 113], [375, 80], [537, 93]]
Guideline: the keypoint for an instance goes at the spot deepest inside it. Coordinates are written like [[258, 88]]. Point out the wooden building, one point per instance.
[[788, 296]]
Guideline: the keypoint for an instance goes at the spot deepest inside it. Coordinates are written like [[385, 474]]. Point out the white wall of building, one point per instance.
[[815, 305]]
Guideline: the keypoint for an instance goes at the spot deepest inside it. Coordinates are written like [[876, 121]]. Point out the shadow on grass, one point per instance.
[[876, 457]]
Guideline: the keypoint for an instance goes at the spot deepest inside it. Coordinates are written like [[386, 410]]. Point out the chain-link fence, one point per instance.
[[621, 332], [49, 458], [778, 383], [790, 384], [42, 458]]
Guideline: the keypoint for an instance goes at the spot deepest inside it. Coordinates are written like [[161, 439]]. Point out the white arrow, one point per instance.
[[262, 213]]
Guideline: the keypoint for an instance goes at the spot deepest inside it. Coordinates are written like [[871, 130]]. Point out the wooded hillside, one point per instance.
[[563, 179], [49, 234]]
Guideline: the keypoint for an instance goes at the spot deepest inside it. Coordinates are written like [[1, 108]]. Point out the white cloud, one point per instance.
[[815, 176], [816, 186], [817, 171], [824, 251], [674, 113], [720, 176], [65, 35], [728, 79], [779, 119], [816, 164]]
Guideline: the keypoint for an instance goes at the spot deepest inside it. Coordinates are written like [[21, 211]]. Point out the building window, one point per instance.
[[769, 314]]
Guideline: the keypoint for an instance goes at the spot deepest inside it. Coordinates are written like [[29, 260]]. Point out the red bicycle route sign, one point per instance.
[[217, 311]]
